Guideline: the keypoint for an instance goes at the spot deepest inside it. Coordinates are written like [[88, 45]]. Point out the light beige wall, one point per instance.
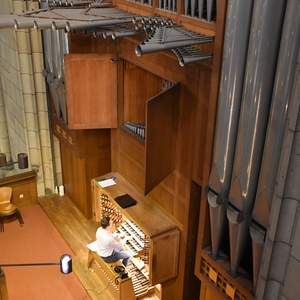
[[13, 137], [24, 101], [4, 141]]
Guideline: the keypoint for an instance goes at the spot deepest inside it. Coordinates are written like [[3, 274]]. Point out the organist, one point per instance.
[[111, 247]]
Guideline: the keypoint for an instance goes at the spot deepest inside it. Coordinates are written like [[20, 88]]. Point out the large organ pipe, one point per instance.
[[76, 25], [49, 73], [23, 23], [61, 50], [273, 144], [210, 4], [49, 42], [234, 60], [100, 5], [260, 70], [7, 22], [42, 24], [79, 3], [58, 24], [54, 53]]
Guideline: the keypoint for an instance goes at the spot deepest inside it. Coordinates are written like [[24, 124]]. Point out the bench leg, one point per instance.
[[90, 261], [19, 216], [1, 224]]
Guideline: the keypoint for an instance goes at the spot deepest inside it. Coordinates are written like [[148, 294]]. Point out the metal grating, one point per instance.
[[169, 5], [205, 10], [220, 282]]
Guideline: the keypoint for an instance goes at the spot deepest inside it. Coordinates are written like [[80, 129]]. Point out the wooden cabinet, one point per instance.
[[85, 154], [164, 263], [91, 90], [160, 232], [24, 188]]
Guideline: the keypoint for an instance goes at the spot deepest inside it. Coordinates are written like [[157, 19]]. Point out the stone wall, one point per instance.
[[23, 102]]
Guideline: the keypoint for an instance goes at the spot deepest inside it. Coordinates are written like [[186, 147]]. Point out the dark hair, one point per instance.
[[105, 222]]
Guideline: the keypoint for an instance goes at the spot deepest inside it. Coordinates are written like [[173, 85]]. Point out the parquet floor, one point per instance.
[[77, 232]]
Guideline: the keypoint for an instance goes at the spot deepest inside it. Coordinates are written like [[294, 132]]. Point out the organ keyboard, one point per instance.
[[154, 246]]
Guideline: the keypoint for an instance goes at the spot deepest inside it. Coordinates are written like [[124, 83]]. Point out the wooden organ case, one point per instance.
[[155, 245]]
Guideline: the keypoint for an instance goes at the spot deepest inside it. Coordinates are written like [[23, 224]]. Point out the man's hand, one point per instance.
[[128, 238]]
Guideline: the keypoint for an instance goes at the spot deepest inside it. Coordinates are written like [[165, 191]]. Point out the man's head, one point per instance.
[[105, 222], [108, 224]]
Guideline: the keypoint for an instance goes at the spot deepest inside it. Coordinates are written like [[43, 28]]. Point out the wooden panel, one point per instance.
[[24, 188], [79, 167], [132, 158], [139, 86], [209, 293], [201, 126], [130, 146], [164, 267], [161, 128], [132, 171], [91, 91], [96, 193], [74, 179]]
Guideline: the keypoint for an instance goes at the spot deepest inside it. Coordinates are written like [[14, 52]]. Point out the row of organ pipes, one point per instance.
[[259, 56]]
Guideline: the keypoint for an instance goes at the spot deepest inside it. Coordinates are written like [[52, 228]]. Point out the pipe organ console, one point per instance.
[[154, 246]]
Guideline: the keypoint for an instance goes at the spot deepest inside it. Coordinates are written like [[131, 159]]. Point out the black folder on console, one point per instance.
[[125, 201]]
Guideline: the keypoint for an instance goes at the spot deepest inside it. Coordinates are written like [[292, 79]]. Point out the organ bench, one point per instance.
[[122, 288]]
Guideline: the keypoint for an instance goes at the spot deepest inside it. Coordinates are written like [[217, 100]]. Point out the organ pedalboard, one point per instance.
[[154, 246]]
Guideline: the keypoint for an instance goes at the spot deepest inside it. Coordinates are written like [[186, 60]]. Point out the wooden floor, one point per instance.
[[77, 232]]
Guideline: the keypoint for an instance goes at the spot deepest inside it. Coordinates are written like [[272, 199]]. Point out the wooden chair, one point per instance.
[[7, 208]]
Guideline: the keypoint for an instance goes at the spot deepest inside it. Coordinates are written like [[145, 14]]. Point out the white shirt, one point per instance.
[[107, 242]]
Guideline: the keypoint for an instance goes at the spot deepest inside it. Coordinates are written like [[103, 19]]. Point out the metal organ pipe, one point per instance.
[[278, 114], [261, 63], [7, 23], [49, 50], [117, 34], [22, 23], [188, 55], [210, 4], [56, 25], [237, 33], [42, 24], [77, 25], [61, 50], [156, 47], [167, 38]]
